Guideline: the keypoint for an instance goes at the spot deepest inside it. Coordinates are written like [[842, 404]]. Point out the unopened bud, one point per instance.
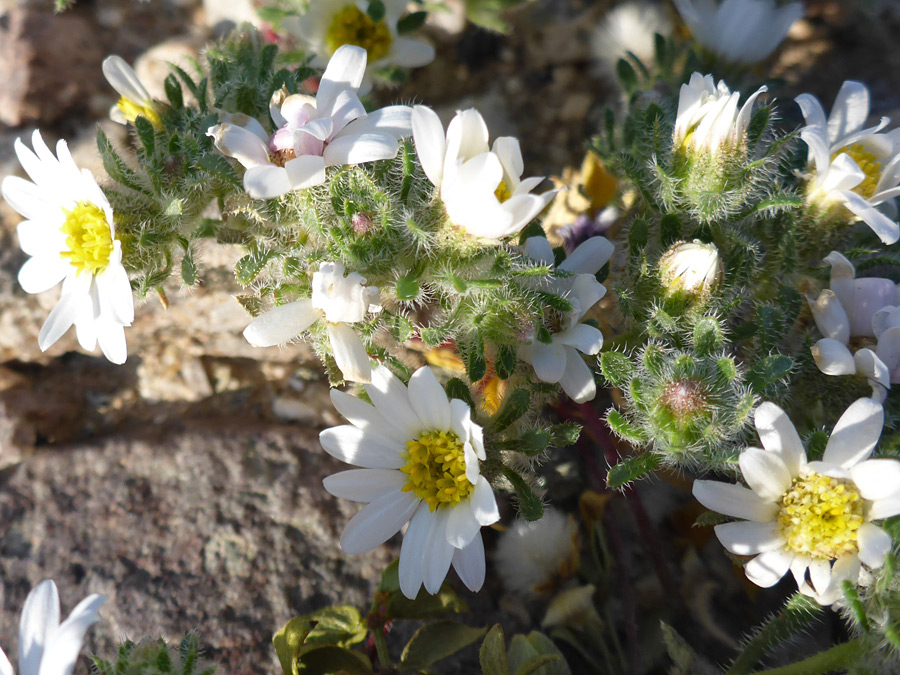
[[693, 268], [362, 223]]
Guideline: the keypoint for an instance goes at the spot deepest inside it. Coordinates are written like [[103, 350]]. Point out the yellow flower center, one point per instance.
[[868, 162], [88, 238], [436, 466], [503, 192], [820, 516], [132, 111], [351, 26]]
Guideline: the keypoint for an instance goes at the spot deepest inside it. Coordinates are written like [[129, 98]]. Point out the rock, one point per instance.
[[48, 64]]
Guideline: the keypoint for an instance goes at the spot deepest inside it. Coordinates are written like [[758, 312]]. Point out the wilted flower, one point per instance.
[[739, 31], [326, 25], [630, 27], [338, 300], [560, 361], [533, 557], [812, 518], [70, 235], [693, 268], [135, 101], [481, 186], [419, 454], [852, 166], [708, 116], [331, 129], [46, 646], [858, 308]]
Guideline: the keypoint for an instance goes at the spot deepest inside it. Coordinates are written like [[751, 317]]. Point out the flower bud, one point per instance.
[[691, 268]]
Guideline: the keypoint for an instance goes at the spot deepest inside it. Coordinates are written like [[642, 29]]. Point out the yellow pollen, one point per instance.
[[503, 192], [820, 516], [88, 238], [868, 162], [351, 26], [436, 466], [132, 110]]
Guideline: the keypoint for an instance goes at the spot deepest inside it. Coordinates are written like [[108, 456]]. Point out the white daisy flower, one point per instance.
[[328, 24], [559, 361], [812, 518], [708, 116], [851, 165], [331, 129], [338, 300], [691, 267], [739, 31], [533, 557], [46, 646], [481, 186], [135, 101], [419, 456], [630, 27], [70, 235], [858, 308]]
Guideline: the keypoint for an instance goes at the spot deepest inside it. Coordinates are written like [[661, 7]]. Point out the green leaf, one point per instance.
[[616, 368], [529, 505], [146, 133], [248, 268], [407, 288], [340, 625], [411, 22], [537, 663], [535, 654], [426, 605], [332, 659], [565, 434], [506, 361], [492, 654], [638, 236], [623, 428], [456, 388], [532, 443], [707, 336], [289, 642], [390, 578], [116, 168], [669, 229], [188, 270], [630, 469], [376, 10], [726, 369], [473, 357], [513, 407], [436, 641], [769, 371], [627, 76], [174, 92], [219, 166], [816, 444]]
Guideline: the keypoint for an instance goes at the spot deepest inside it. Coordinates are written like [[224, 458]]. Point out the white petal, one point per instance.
[[391, 399], [116, 298], [362, 448], [833, 358], [394, 120], [874, 545], [765, 472], [428, 136], [849, 111], [525, 208], [378, 521], [469, 563], [820, 574], [877, 478], [746, 538], [539, 248], [867, 363], [305, 171], [370, 147], [768, 568], [41, 238], [410, 53], [509, 152], [734, 500], [584, 338], [26, 198], [345, 71], [855, 434], [281, 324], [589, 257], [242, 144], [438, 553], [412, 551], [267, 182], [586, 292], [886, 229], [885, 508], [40, 618], [461, 525], [888, 350], [39, 274], [429, 400], [484, 504], [778, 435], [123, 79], [363, 415], [549, 361], [577, 380], [5, 666], [830, 316], [61, 318], [364, 485], [111, 338], [65, 645], [869, 295], [467, 137], [349, 352]]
